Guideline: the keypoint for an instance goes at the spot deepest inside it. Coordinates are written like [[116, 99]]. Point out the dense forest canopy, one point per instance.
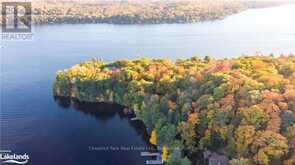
[[141, 12], [243, 108]]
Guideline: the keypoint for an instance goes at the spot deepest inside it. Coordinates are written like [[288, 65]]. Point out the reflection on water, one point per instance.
[[102, 112]]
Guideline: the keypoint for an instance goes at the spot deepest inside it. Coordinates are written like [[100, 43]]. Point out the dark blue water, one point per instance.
[[54, 132]]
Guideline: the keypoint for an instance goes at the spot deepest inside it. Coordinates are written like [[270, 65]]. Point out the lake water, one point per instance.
[[54, 132]]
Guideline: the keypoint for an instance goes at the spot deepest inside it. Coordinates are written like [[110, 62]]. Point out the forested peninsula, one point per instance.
[[140, 12], [243, 108]]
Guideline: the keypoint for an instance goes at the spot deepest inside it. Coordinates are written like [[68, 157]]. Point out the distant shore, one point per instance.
[[140, 12]]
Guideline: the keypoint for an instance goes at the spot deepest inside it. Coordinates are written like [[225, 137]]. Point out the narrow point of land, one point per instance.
[[242, 108]]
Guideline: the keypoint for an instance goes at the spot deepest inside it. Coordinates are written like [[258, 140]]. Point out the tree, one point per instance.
[[291, 160], [290, 94], [288, 118], [268, 146], [287, 70], [244, 136], [166, 133], [218, 93], [227, 101], [221, 118], [290, 133], [274, 122], [175, 158], [185, 161], [188, 134], [273, 96], [193, 118], [153, 138], [164, 153], [253, 116], [204, 101], [216, 141], [207, 59]]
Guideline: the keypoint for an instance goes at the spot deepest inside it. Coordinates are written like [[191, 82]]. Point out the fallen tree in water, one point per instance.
[[243, 108]]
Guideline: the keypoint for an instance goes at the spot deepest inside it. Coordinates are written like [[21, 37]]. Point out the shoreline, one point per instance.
[[148, 13], [196, 104]]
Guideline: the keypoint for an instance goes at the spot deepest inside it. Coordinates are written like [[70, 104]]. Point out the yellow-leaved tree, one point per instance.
[[244, 136], [153, 139], [164, 153]]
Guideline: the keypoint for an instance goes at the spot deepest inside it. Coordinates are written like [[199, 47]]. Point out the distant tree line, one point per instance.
[[140, 12]]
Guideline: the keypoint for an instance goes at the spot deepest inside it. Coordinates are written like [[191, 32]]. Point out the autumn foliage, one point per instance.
[[243, 107], [139, 12]]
